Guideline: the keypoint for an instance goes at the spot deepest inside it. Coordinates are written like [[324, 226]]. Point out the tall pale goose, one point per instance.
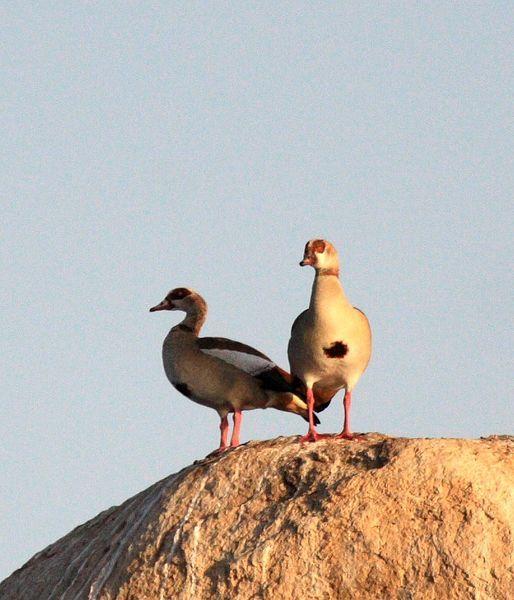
[[222, 374], [330, 345]]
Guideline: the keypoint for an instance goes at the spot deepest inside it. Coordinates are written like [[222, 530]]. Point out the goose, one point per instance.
[[330, 344], [222, 374]]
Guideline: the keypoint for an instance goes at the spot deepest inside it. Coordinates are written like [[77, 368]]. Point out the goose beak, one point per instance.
[[306, 261], [164, 305]]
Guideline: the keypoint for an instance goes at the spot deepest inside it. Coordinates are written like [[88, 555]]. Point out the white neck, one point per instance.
[[327, 289]]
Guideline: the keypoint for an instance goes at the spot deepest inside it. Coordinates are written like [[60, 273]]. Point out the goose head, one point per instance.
[[321, 255], [179, 298]]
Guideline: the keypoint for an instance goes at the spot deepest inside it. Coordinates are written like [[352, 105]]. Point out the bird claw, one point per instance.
[[312, 436], [344, 435]]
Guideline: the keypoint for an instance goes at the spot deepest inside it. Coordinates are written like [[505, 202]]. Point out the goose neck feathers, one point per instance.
[[196, 314], [327, 291]]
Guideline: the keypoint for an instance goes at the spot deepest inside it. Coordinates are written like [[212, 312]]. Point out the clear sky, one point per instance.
[[154, 145]]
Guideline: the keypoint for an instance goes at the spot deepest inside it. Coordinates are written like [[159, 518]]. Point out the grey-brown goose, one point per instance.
[[222, 374], [330, 345]]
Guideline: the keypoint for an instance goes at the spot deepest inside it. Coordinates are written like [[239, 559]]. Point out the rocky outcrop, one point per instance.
[[379, 518]]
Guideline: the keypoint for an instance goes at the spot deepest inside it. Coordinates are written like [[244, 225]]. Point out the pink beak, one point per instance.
[[164, 305], [306, 261]]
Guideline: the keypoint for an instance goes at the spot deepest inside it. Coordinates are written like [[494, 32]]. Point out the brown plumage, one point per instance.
[[220, 373]]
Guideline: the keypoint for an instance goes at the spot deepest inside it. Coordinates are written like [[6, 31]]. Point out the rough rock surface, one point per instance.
[[379, 518]]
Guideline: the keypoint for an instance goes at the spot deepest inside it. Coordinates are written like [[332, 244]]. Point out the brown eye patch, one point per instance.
[[318, 246], [178, 294]]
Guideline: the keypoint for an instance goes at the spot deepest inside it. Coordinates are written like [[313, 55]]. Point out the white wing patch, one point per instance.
[[249, 363]]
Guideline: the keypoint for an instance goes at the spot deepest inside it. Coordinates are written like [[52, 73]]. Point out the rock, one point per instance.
[[380, 518]]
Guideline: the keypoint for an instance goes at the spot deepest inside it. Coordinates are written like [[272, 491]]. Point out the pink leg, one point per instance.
[[312, 434], [347, 434], [237, 426], [224, 435]]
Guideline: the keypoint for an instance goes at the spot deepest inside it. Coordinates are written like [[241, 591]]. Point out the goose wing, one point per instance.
[[239, 355], [251, 361]]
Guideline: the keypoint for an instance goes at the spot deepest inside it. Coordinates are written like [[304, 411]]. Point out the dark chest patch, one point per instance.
[[336, 350], [183, 388]]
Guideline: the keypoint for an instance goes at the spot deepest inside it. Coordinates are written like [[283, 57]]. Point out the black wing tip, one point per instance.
[[321, 407], [316, 420], [272, 380]]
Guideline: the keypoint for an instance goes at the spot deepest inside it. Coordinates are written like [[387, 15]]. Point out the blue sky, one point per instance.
[[154, 145]]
